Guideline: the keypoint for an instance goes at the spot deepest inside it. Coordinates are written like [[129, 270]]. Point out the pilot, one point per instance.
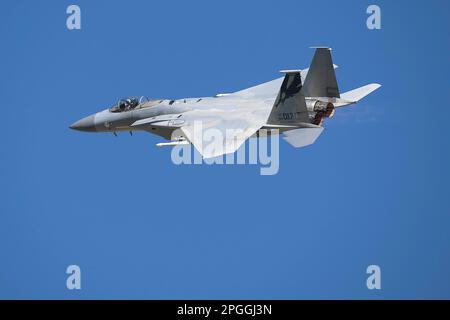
[[133, 103], [130, 103]]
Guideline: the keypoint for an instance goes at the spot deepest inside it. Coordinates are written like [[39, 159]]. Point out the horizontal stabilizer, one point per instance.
[[358, 94], [302, 137]]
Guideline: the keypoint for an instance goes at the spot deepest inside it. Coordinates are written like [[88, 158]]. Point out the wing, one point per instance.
[[216, 132], [266, 89]]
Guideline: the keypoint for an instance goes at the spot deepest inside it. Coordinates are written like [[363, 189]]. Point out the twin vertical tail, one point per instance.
[[290, 107], [321, 90], [299, 118]]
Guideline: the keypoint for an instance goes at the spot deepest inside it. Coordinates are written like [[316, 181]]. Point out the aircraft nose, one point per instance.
[[85, 124]]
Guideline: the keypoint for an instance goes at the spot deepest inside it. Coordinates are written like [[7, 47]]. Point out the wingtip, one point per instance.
[[375, 86]]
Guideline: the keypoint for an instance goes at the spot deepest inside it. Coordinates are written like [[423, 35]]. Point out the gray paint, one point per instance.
[[277, 104]]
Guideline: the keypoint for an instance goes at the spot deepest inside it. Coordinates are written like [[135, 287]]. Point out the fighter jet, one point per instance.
[[294, 106]]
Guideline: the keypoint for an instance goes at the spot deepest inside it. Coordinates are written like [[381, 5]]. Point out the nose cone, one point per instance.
[[85, 124]]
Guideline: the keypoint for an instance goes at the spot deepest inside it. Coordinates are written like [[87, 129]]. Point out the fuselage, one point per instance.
[[166, 115]]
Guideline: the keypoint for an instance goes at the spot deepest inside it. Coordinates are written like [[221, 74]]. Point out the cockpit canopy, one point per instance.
[[132, 103]]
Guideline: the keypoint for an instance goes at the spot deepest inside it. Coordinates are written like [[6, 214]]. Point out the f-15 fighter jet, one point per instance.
[[294, 106]]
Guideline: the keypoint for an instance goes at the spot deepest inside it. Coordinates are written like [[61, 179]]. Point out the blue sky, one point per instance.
[[372, 190]]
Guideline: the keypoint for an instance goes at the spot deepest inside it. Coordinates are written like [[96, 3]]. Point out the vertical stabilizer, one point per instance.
[[321, 78], [290, 106]]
